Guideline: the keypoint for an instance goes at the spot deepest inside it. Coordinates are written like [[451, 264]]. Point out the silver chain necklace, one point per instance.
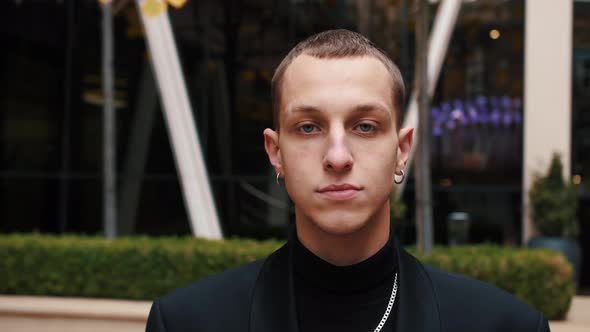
[[389, 306]]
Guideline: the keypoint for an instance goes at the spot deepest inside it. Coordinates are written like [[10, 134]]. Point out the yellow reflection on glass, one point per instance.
[[494, 34], [577, 179], [153, 8], [177, 3]]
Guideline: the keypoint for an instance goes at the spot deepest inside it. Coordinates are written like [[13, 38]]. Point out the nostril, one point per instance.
[[344, 167]]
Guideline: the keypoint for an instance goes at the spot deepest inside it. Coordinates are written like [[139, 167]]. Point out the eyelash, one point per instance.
[[372, 129], [300, 128]]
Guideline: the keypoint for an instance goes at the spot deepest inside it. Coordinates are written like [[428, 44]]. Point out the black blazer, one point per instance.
[[258, 297]]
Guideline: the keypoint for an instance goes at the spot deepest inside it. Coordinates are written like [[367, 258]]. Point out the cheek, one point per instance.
[[299, 162], [377, 165], [379, 157], [300, 172]]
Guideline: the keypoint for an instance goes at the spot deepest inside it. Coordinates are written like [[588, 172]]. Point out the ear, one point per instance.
[[271, 145], [406, 137]]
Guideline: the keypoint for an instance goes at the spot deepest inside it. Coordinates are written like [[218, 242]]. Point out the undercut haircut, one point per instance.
[[337, 44]]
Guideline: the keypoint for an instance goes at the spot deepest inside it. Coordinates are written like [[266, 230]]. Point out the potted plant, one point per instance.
[[554, 205]]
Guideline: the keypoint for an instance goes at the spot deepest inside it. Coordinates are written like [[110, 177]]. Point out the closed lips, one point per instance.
[[338, 187], [339, 191]]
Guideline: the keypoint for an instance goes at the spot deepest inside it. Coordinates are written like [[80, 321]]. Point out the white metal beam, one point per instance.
[[191, 167]]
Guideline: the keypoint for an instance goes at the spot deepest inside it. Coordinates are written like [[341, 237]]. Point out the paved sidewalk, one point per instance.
[[578, 318], [53, 314], [60, 314]]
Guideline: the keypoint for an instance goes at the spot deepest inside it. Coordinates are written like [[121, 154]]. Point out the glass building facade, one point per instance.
[[51, 112]]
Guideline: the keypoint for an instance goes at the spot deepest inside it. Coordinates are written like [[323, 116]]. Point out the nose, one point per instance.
[[338, 156]]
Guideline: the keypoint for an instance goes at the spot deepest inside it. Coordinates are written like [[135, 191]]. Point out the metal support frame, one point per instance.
[[424, 227], [109, 129], [204, 220], [442, 29]]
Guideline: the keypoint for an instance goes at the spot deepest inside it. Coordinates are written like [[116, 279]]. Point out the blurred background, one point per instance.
[[51, 114]]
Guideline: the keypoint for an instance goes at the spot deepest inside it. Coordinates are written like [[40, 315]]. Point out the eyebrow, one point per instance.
[[361, 108], [305, 109]]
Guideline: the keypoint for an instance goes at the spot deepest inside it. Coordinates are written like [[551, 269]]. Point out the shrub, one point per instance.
[[145, 268], [554, 202], [541, 278], [131, 268]]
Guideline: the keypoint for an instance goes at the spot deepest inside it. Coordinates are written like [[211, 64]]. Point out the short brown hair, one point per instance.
[[338, 44]]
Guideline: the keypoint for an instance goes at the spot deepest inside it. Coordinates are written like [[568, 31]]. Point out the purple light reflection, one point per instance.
[[496, 111]]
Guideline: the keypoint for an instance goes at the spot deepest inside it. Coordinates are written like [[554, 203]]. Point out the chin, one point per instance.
[[340, 223]]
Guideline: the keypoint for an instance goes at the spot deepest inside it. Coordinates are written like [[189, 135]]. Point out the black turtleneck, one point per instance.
[[344, 298]]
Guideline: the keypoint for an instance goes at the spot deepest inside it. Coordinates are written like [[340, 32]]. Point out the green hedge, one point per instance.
[[542, 278], [145, 268], [131, 268]]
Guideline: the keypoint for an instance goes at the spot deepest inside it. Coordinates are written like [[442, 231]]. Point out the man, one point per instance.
[[338, 147]]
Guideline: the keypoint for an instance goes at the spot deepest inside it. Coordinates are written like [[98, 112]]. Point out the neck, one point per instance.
[[348, 247]]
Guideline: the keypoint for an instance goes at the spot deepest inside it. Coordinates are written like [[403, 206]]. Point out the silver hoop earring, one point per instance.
[[278, 175], [402, 179]]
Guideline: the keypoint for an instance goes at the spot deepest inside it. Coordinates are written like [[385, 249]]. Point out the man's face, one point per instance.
[[338, 148]]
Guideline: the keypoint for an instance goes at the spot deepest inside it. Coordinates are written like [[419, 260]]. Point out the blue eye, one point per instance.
[[307, 128], [366, 128]]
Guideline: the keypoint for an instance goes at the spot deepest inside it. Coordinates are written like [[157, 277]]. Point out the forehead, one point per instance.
[[336, 84]]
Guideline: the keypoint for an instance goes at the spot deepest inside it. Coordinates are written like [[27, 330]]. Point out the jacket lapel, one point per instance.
[[273, 300], [418, 306]]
